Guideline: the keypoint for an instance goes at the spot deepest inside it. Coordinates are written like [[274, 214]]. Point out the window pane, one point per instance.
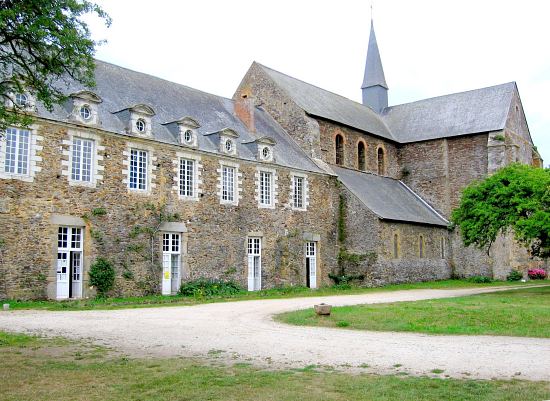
[[298, 195], [138, 169], [228, 183], [187, 169], [17, 151], [75, 173], [265, 188]]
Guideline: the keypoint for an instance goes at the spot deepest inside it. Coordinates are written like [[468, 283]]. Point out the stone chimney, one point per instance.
[[244, 109]]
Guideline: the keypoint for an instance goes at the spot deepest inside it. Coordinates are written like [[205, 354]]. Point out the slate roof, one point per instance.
[[121, 88], [462, 113], [475, 111], [374, 73], [388, 198], [322, 103]]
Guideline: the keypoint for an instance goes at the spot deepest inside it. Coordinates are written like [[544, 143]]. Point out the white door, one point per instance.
[[171, 263], [62, 275], [311, 264], [69, 262], [254, 250]]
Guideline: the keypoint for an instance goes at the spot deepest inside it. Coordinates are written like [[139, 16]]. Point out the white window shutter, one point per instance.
[[166, 274], [313, 272], [250, 273]]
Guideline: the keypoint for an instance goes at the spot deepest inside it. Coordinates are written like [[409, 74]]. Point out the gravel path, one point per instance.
[[245, 331]]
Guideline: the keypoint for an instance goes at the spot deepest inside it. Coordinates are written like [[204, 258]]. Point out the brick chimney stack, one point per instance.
[[244, 109]]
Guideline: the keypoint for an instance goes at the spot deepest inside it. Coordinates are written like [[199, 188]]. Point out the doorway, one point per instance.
[[311, 264], [171, 263], [69, 262], [254, 250]]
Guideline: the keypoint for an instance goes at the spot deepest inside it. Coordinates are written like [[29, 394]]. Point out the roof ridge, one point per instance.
[[451, 94]]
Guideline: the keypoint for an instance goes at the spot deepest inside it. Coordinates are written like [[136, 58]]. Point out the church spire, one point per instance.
[[375, 89]]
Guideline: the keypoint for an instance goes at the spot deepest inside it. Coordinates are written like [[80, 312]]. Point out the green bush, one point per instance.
[[102, 276], [514, 276], [480, 279], [209, 288]]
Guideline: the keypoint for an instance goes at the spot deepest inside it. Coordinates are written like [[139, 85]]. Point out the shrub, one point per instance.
[[480, 279], [514, 276], [102, 276], [536, 274], [209, 288]]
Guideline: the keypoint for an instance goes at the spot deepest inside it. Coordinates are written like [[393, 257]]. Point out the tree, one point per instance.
[[42, 44], [517, 197]]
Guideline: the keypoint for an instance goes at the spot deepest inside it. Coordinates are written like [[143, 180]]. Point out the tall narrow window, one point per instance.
[[339, 143], [381, 161], [171, 263], [81, 168], [187, 178], [395, 246], [298, 192], [17, 151], [228, 184], [361, 156], [443, 253], [266, 191], [138, 169], [421, 246]]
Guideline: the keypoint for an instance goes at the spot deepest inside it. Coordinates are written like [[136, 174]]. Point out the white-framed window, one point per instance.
[[171, 263], [138, 170], [188, 136], [85, 112], [187, 178], [17, 151], [299, 191], [141, 125], [254, 253], [21, 99], [82, 160], [228, 183], [266, 188]]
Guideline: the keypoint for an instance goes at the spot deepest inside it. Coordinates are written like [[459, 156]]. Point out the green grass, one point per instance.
[[286, 292], [43, 370], [524, 312]]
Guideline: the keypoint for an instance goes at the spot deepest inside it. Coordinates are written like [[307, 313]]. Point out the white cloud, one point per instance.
[[428, 48]]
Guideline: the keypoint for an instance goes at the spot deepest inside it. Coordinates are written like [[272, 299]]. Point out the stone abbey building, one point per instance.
[[285, 184]]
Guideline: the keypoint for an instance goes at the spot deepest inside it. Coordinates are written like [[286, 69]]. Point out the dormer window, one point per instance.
[[185, 129], [21, 100], [263, 148], [85, 112], [141, 125], [83, 106], [138, 119], [228, 145], [188, 136]]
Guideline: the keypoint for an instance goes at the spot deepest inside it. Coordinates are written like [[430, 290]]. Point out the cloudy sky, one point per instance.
[[428, 48]]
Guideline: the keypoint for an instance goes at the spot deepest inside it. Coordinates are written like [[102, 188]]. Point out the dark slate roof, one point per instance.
[[463, 113], [388, 198], [121, 88], [374, 73], [322, 103]]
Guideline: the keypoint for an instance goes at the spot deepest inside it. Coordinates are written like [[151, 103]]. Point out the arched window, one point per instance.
[[381, 161], [361, 156], [421, 246], [339, 142], [395, 246]]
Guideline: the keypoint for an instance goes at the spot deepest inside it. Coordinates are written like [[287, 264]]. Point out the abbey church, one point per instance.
[[284, 184]]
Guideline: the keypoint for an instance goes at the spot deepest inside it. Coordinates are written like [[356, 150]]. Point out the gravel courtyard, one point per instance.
[[246, 332]]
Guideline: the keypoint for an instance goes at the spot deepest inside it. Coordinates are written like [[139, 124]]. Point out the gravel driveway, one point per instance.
[[245, 331]]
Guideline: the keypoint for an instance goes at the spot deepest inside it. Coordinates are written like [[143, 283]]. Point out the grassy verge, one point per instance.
[[43, 370], [286, 292], [524, 312]]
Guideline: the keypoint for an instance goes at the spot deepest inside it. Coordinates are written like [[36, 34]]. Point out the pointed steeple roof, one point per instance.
[[374, 73]]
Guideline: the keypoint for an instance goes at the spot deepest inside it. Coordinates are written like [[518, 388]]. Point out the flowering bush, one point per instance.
[[536, 274]]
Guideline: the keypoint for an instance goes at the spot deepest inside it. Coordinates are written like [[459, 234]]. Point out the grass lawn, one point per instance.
[[524, 312], [287, 292], [55, 369]]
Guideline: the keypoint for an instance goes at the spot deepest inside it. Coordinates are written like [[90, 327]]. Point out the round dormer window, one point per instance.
[[266, 153], [21, 100], [140, 125], [85, 113], [229, 145], [188, 136]]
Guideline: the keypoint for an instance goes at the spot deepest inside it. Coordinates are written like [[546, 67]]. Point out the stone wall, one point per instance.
[[216, 234], [352, 137], [366, 234]]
